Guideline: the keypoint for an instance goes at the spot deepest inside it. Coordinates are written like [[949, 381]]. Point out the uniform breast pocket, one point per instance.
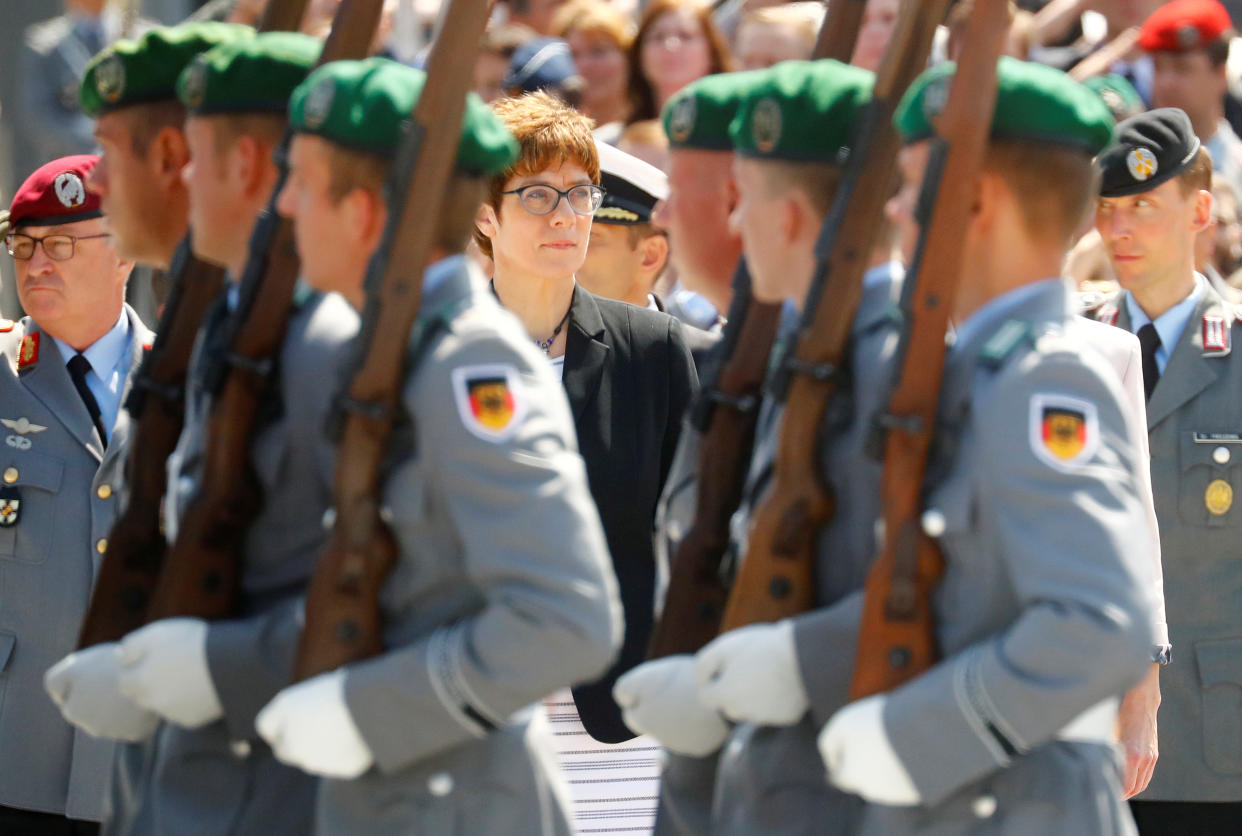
[[1220, 680], [1209, 479], [29, 505]]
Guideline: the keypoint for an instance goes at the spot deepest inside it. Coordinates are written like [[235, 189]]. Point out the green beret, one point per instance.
[[252, 75], [698, 115], [1122, 99], [804, 111], [1033, 102], [146, 69], [363, 104]]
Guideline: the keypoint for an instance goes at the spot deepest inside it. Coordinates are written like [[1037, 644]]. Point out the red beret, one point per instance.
[[56, 194], [1183, 25]]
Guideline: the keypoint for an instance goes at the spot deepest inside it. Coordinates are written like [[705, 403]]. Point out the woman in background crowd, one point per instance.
[[677, 43], [599, 37]]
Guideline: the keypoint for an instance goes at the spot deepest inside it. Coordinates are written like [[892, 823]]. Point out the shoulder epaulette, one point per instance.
[[1004, 342]]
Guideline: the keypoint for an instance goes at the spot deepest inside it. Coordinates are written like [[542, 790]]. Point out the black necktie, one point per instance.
[[78, 367], [1149, 340]]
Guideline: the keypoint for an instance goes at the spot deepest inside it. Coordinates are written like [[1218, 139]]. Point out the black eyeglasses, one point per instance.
[[57, 247], [539, 199]]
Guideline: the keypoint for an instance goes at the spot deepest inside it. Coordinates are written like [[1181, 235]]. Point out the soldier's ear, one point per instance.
[[168, 154], [1203, 210]]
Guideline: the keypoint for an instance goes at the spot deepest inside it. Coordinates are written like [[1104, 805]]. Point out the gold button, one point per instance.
[[10, 475], [101, 545], [104, 491]]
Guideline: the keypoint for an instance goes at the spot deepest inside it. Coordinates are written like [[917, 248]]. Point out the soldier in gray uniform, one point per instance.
[[66, 370], [503, 590], [1058, 589], [209, 771], [770, 778], [1154, 200]]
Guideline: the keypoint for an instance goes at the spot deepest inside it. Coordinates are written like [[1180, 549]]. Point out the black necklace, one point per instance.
[[544, 345]]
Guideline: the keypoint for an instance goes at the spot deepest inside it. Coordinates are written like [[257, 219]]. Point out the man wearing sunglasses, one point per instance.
[[68, 364]]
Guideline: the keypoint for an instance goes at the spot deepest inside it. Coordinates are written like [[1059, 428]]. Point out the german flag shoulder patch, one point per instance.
[[1065, 431], [490, 400]]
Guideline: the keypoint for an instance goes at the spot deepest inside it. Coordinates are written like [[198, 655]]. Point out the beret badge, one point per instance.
[[194, 87], [935, 98], [319, 103], [1142, 164], [110, 78], [681, 120], [766, 124], [70, 190], [1188, 36]]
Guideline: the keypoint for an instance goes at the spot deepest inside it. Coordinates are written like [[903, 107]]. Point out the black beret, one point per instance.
[[1149, 149]]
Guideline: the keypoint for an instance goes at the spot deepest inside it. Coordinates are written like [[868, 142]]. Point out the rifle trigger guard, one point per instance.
[[819, 372]]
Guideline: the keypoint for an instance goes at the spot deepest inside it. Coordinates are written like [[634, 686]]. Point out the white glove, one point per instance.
[[164, 669], [84, 687], [751, 675], [309, 726], [660, 699], [861, 760]]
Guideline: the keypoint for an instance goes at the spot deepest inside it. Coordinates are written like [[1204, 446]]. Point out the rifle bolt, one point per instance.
[[898, 658], [347, 631], [780, 587], [934, 523]]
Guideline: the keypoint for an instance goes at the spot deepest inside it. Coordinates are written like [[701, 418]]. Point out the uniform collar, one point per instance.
[[107, 352], [984, 320], [1169, 325]]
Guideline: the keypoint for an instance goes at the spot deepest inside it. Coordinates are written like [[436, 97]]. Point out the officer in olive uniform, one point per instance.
[[1153, 202], [208, 681], [66, 370], [771, 777], [503, 590]]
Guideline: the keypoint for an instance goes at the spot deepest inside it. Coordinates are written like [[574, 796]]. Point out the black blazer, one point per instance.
[[629, 377]]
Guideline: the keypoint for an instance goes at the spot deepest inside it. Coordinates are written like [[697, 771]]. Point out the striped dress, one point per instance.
[[614, 786]]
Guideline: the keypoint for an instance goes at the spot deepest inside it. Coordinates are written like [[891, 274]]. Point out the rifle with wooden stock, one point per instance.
[[725, 414], [343, 617], [897, 638], [777, 578], [136, 544], [202, 573]]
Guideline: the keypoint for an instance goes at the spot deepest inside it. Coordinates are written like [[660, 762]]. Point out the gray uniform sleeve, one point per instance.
[[250, 660], [1075, 561], [531, 546]]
